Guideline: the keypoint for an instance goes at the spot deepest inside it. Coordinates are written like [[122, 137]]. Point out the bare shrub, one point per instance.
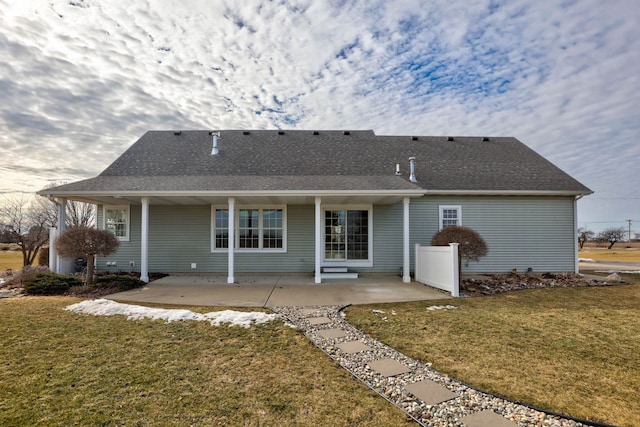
[[471, 247], [43, 257], [85, 242]]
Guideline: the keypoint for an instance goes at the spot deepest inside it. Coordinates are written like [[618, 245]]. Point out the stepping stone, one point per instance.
[[309, 311], [353, 347], [332, 333], [430, 392], [319, 320], [388, 367], [486, 418]]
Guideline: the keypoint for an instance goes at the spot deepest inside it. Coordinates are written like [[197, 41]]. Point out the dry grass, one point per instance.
[[573, 350], [10, 259], [60, 368], [617, 253]]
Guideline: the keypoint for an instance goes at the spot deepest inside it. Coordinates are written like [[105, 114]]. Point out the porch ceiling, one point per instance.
[[242, 199]]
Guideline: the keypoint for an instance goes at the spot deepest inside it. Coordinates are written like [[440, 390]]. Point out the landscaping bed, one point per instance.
[[492, 284]]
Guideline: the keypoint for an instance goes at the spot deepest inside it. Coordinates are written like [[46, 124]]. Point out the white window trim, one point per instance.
[[349, 263], [106, 208], [261, 208], [442, 208]]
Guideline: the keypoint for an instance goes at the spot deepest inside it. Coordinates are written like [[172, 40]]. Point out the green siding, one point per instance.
[[127, 251], [300, 256], [387, 239], [180, 236], [521, 232]]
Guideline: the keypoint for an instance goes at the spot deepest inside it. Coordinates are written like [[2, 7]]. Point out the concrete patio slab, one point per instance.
[[277, 290], [388, 367], [332, 333], [486, 418], [430, 392], [351, 347]]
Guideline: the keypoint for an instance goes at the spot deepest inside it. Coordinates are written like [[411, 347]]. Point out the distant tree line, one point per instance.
[[610, 236], [26, 222]]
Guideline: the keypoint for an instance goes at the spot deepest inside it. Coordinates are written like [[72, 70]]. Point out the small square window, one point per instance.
[[116, 220], [450, 215]]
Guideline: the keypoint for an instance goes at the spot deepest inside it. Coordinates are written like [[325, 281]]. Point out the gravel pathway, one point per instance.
[[425, 395]]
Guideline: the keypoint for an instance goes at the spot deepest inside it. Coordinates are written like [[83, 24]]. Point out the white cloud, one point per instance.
[[80, 81]]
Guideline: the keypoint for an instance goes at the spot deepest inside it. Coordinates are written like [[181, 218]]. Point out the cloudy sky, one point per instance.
[[81, 80]]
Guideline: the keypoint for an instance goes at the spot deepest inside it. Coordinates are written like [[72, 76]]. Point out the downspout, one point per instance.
[[575, 233]]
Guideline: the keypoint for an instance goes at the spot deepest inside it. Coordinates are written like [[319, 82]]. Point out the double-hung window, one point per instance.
[[116, 220], [450, 215], [256, 229]]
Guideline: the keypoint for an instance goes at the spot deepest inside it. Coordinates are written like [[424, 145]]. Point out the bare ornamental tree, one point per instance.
[[584, 235], [27, 224], [612, 235], [85, 242]]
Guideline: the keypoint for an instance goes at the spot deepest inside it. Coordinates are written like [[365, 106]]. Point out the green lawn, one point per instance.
[[573, 350], [58, 368]]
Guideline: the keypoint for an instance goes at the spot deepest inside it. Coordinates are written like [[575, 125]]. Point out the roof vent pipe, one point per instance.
[[398, 169], [412, 168], [214, 150]]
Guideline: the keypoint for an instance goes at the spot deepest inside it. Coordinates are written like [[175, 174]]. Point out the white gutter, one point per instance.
[[506, 193]]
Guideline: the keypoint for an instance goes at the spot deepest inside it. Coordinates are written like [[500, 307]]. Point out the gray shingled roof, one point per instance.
[[270, 160]]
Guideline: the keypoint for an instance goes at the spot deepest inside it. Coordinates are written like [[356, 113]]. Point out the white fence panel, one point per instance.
[[437, 266]]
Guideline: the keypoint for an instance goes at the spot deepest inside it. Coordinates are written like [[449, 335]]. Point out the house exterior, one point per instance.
[[309, 201]]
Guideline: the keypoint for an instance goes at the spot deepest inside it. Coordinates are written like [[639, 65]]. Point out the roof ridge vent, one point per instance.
[[315, 132], [485, 139], [280, 132], [177, 132], [246, 132], [414, 138], [449, 138], [346, 132]]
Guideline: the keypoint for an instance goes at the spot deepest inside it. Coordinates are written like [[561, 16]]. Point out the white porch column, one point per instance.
[[318, 277], [406, 260], [53, 255], [144, 241], [576, 246], [232, 239], [60, 266]]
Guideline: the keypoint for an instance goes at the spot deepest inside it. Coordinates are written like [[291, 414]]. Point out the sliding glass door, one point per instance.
[[346, 235]]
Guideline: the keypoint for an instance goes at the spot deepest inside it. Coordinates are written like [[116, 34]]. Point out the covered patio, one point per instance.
[[272, 290]]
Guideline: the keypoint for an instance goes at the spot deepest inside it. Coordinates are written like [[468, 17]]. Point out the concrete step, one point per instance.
[[339, 275], [335, 269]]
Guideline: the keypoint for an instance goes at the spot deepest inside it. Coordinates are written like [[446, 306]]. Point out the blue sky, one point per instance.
[[81, 80]]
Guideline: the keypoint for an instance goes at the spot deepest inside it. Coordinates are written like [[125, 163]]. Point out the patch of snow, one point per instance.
[[619, 271], [378, 311], [442, 307], [104, 307], [586, 260]]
